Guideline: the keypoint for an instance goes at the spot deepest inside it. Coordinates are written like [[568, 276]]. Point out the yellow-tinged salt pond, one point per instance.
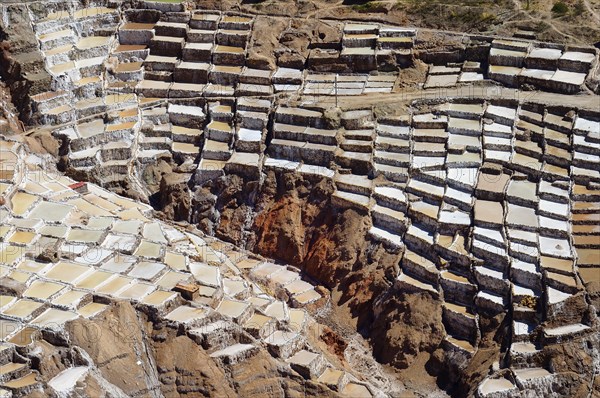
[[4, 187], [62, 68], [89, 208], [55, 35], [131, 112], [22, 309], [25, 381], [5, 301], [175, 260], [100, 222], [51, 212], [7, 174], [59, 50], [221, 126], [186, 314], [21, 202], [172, 278], [136, 291], [132, 214], [91, 281], [87, 80], [66, 272], [59, 110], [146, 270], [42, 290], [23, 338], [148, 249], [70, 298], [34, 188], [55, 231], [9, 160], [91, 309], [91, 104], [92, 42], [10, 253], [158, 297], [101, 202], [236, 19], [228, 49], [11, 367], [221, 108], [186, 131], [129, 227], [4, 229], [53, 317], [84, 235], [56, 15], [114, 285], [19, 276], [22, 237]]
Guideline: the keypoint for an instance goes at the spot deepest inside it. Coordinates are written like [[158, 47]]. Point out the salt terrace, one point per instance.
[[491, 200], [110, 248], [131, 92]]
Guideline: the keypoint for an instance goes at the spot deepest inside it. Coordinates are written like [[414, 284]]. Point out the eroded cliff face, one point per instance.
[[407, 326], [290, 218], [117, 344]]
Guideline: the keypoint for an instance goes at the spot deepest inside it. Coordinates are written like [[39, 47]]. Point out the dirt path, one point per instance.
[[549, 21], [573, 38], [591, 11], [318, 11], [591, 102]]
